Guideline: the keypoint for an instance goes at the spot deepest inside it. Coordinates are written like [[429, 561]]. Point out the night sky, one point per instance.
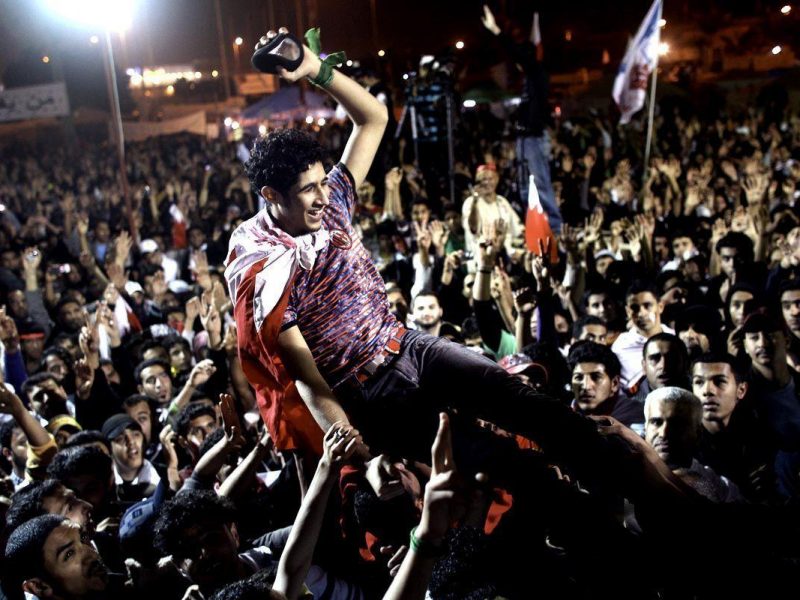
[[183, 31]]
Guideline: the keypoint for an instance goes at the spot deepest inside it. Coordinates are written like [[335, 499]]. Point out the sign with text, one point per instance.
[[34, 102]]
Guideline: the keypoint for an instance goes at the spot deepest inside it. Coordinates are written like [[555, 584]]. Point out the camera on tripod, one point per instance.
[[429, 97]]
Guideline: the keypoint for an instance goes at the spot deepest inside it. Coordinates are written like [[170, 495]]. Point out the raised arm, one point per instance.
[[311, 386], [339, 445], [368, 115]]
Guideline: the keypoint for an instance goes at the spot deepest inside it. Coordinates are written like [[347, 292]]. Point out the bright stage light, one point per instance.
[[115, 14]]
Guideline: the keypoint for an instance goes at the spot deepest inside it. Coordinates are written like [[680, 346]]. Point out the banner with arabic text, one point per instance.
[[34, 102], [136, 131]]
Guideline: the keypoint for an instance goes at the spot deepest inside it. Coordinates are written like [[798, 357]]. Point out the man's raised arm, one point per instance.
[[369, 116], [312, 387]]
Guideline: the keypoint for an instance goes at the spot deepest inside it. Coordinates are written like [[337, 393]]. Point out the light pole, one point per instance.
[[119, 137], [222, 52], [109, 16]]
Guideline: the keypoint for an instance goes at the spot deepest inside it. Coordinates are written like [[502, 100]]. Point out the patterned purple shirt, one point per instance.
[[340, 305]]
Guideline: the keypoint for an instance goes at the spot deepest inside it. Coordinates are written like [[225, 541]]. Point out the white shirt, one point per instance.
[[147, 474], [488, 212]]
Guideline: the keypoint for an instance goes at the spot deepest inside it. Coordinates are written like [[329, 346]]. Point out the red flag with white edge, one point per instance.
[[537, 225]]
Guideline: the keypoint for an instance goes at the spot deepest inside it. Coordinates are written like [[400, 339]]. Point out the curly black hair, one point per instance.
[[278, 159], [192, 411], [256, 587], [189, 509]]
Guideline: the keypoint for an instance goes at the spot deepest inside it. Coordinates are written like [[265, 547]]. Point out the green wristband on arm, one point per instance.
[[335, 59]]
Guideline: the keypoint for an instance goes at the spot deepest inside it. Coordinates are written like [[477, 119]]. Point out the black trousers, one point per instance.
[[396, 409]]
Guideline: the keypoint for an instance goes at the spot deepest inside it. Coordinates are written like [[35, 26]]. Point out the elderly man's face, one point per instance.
[[672, 429], [486, 182]]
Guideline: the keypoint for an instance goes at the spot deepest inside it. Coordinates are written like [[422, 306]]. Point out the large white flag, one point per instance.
[[641, 58]]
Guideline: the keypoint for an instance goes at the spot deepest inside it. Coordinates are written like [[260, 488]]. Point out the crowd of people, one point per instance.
[[668, 313]]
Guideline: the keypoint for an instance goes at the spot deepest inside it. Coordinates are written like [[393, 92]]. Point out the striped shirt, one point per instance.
[[340, 305]]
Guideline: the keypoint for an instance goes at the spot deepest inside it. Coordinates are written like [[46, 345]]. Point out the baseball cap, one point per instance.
[[514, 364], [59, 421], [178, 286], [116, 424], [136, 525], [131, 287], [147, 246], [604, 254]]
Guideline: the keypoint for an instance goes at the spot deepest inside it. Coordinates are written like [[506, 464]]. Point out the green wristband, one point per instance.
[[424, 548], [325, 75]]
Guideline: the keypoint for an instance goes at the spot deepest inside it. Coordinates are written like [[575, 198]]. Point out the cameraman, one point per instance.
[[533, 141]]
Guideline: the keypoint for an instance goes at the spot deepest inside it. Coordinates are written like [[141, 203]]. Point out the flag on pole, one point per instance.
[[641, 59], [537, 226], [536, 37], [536, 34]]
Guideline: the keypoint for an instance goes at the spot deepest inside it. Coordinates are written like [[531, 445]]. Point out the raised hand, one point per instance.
[[31, 259], [500, 230], [729, 170], [169, 438], [439, 236], [84, 378], [487, 253], [230, 341], [489, 21], [201, 373], [192, 309], [211, 320], [424, 238], [647, 225], [383, 477], [754, 187], [718, 230], [117, 276], [446, 497], [339, 444], [122, 248], [308, 68], [89, 342], [569, 240], [396, 556], [201, 269], [524, 300], [501, 286], [540, 264], [10, 403], [8, 332], [107, 320], [393, 178]]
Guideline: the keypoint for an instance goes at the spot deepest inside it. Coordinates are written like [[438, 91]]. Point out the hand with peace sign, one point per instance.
[[447, 498]]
